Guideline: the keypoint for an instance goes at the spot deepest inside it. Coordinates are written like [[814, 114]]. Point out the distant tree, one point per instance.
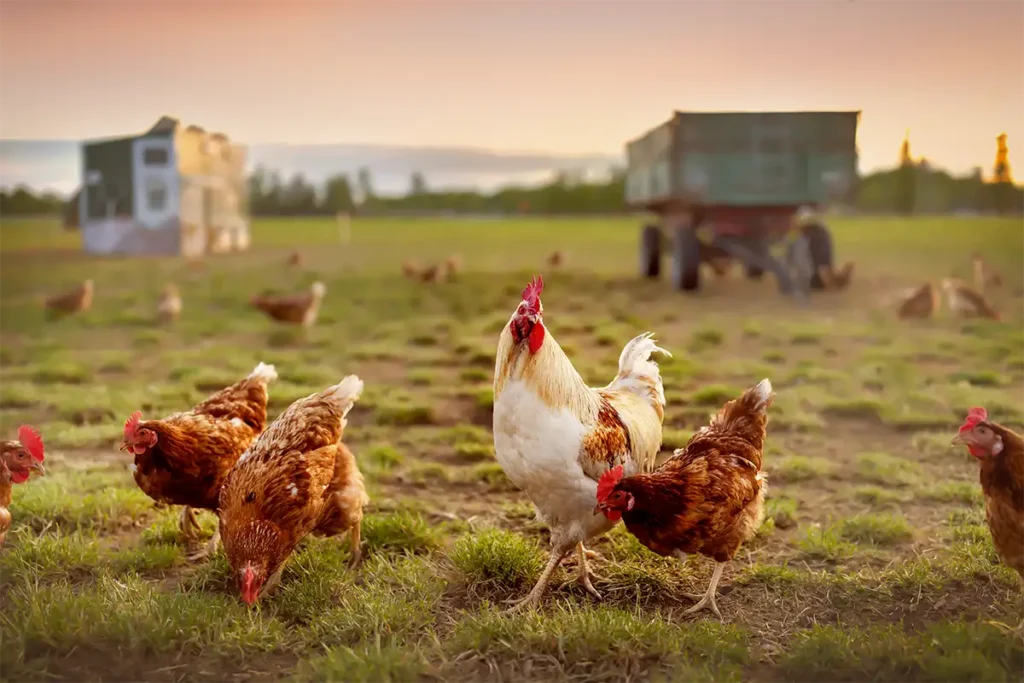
[[417, 185], [906, 179], [338, 194], [1002, 176], [364, 180]]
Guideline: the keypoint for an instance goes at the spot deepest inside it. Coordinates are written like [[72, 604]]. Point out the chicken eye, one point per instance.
[[251, 497]]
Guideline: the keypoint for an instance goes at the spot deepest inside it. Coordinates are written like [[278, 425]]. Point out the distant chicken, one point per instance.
[[17, 460], [1000, 452], [836, 279], [169, 307], [708, 498], [452, 267], [918, 303], [184, 458], [298, 478], [718, 259], [77, 300], [298, 309], [965, 301], [556, 259], [411, 270], [985, 276], [295, 259], [431, 274], [554, 436]]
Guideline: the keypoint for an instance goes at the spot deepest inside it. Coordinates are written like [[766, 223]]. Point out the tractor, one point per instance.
[[725, 186]]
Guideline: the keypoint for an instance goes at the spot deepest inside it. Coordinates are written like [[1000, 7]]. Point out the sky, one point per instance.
[[562, 77]]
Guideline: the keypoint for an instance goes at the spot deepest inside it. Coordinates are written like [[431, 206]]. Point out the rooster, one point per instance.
[[298, 478], [554, 436], [184, 458], [17, 460], [168, 308], [963, 300], [74, 301], [708, 498], [299, 309], [1001, 453]]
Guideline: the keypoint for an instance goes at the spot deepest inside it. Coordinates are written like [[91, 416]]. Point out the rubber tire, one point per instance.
[[686, 260], [650, 252], [820, 242], [754, 273]]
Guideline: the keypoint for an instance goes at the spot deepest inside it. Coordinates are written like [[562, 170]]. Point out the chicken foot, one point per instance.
[[206, 549], [585, 576], [707, 601], [189, 525], [534, 596], [355, 534]]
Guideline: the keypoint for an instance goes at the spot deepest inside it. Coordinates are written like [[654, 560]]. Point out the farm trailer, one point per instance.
[[741, 176]]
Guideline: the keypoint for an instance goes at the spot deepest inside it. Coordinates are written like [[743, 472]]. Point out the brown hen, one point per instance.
[[708, 498], [74, 301], [298, 478], [17, 460], [298, 309]]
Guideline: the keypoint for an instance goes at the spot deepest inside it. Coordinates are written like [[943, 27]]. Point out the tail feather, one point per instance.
[[637, 372], [345, 393], [264, 372]]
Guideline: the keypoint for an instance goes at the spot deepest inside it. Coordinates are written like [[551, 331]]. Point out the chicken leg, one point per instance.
[[707, 601], [206, 549], [533, 597], [189, 524], [357, 552], [584, 575]]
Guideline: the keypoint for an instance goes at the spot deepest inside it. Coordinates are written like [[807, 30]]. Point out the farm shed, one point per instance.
[[170, 190]]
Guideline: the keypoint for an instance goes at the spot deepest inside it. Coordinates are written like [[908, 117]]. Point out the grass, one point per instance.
[[874, 563]]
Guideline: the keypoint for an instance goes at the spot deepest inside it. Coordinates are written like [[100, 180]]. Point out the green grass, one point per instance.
[[874, 562]]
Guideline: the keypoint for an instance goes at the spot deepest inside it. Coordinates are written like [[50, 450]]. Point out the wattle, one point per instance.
[[536, 337], [139, 450]]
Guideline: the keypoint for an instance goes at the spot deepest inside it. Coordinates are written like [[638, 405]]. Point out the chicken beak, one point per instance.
[[958, 439], [123, 447], [39, 467], [598, 509]]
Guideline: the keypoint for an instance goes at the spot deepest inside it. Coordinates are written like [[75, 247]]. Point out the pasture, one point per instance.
[[874, 562]]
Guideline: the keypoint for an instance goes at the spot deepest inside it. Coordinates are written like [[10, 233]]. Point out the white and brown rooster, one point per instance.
[[555, 436]]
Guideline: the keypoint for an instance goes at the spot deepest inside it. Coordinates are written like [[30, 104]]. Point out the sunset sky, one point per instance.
[[561, 76]]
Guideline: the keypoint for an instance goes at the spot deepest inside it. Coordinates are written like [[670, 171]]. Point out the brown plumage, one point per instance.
[[431, 274], [298, 309], [168, 308], [74, 301], [836, 279], [1001, 454], [17, 460], [985, 276], [411, 270], [451, 267], [295, 259], [298, 478], [556, 259], [918, 303], [5, 501], [965, 301], [184, 458], [708, 498]]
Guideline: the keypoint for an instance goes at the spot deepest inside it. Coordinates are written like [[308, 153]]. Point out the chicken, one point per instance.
[[708, 498], [410, 270], [431, 274], [717, 258], [184, 458], [963, 300], [985, 276], [920, 302], [295, 259], [452, 266], [554, 436], [169, 307], [298, 478], [74, 301], [1001, 454], [17, 460], [556, 259], [299, 309], [836, 279]]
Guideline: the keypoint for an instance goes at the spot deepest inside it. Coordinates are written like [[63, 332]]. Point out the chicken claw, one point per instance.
[[356, 550], [533, 597], [584, 575], [205, 550], [707, 601], [189, 524]]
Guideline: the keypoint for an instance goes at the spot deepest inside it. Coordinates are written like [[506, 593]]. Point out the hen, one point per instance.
[[168, 308], [985, 276], [708, 498], [298, 478], [184, 458], [17, 460], [554, 436], [299, 309], [1001, 454], [963, 300], [920, 302], [74, 301]]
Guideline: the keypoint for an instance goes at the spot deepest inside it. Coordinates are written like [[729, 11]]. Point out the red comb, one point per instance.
[[974, 416], [607, 482], [31, 440], [531, 294], [132, 423]]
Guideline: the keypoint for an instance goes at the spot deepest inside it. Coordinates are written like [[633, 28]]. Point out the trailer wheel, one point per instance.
[[650, 251], [820, 243], [686, 260]]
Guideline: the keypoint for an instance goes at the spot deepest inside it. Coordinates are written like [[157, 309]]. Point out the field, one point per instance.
[[874, 563]]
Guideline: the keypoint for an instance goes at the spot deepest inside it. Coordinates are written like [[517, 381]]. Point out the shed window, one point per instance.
[[156, 198], [154, 156]]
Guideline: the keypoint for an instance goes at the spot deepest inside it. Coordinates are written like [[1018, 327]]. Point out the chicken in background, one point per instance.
[[708, 498], [718, 259], [17, 460], [432, 274], [916, 302], [555, 437], [985, 276], [295, 260], [836, 279], [556, 259], [168, 308], [452, 267], [297, 309], [298, 478], [410, 270], [1000, 452], [77, 300], [184, 458], [964, 301]]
